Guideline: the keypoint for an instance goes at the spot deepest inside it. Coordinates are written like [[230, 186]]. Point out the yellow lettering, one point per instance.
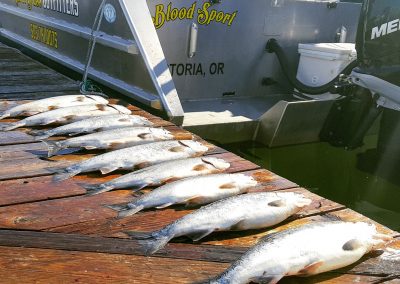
[[174, 14], [203, 13], [232, 18], [190, 12], [182, 13], [159, 18], [44, 35], [220, 16]]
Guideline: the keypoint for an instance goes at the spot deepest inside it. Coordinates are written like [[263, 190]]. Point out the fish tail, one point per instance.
[[151, 242], [65, 174], [11, 126], [154, 244], [39, 134], [139, 235], [53, 147], [4, 115], [93, 189], [125, 211], [138, 186]]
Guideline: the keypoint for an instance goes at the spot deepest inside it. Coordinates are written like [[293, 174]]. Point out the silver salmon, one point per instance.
[[94, 124], [307, 250], [52, 103], [67, 115], [137, 156], [162, 173], [114, 139], [190, 191], [243, 212]]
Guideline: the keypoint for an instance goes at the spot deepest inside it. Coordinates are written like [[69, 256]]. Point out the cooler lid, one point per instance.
[[336, 48]]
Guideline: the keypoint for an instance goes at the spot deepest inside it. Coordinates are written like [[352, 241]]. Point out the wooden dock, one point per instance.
[[53, 233]]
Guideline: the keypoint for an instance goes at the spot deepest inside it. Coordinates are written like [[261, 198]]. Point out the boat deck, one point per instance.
[[53, 233]]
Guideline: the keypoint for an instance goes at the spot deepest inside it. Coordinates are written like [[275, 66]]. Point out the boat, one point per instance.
[[227, 70]]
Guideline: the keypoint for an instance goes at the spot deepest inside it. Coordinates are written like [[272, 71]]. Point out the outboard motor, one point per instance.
[[373, 86], [378, 71]]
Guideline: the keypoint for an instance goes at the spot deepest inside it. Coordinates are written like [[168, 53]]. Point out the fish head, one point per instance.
[[98, 99], [121, 109], [244, 181], [161, 133], [219, 164], [194, 145], [368, 235], [299, 200]]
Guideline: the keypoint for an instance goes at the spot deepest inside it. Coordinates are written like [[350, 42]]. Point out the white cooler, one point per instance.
[[320, 63]]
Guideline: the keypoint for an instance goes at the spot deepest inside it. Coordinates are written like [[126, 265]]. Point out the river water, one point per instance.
[[353, 178]]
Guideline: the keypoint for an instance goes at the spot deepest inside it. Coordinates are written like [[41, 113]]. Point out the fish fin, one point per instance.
[[52, 147], [164, 205], [41, 138], [11, 126], [302, 203], [89, 147], [64, 175], [4, 115], [170, 179], [52, 108], [238, 226], [199, 168], [197, 236], [143, 165], [101, 107], [353, 244], [265, 279], [155, 243], [277, 203], [139, 235], [144, 136], [311, 268], [93, 189], [69, 117], [118, 207], [196, 200], [109, 169], [115, 145], [139, 186], [40, 134], [228, 185], [177, 149], [125, 211]]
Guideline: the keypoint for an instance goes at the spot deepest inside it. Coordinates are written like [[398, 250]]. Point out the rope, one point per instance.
[[86, 86]]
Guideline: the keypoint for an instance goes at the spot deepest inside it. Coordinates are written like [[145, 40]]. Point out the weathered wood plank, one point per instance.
[[37, 94], [25, 168], [15, 137], [15, 191], [372, 264], [38, 88], [55, 266], [43, 215], [151, 220], [12, 157]]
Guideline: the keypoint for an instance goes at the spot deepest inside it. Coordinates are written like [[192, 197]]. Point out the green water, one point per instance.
[[333, 173]]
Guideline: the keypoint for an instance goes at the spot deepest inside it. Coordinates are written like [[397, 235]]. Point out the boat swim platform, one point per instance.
[[53, 233]]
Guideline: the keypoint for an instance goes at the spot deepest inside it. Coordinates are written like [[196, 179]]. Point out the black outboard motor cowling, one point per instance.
[[377, 76], [378, 40]]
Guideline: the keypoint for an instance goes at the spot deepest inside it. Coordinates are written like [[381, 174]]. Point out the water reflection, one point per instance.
[[360, 179]]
